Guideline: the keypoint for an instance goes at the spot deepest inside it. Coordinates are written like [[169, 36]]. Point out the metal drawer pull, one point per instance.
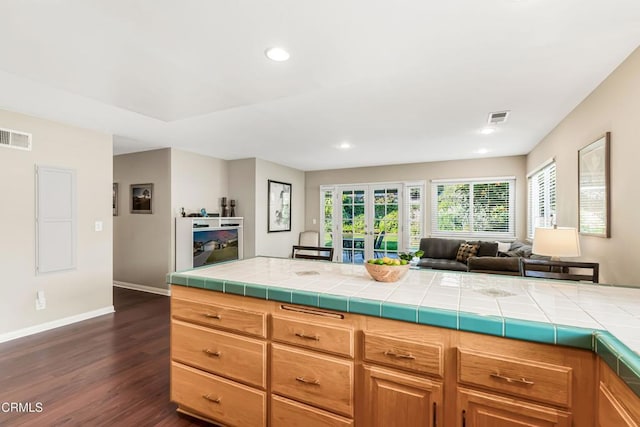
[[211, 353], [211, 399], [512, 380], [312, 381], [307, 337], [212, 316], [399, 355]]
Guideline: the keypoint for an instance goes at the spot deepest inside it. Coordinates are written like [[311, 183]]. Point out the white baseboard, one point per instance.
[[143, 288], [55, 324]]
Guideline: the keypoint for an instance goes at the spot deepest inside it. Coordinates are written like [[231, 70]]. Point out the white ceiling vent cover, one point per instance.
[[14, 139], [498, 117]]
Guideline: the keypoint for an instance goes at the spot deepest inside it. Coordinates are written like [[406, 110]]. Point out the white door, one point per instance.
[[369, 222]]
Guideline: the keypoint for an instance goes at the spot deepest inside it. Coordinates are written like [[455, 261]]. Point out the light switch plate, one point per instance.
[[98, 226]]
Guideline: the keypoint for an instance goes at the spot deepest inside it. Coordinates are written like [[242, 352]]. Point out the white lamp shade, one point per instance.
[[556, 242]]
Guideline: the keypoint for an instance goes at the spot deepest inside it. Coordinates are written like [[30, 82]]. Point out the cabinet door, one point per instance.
[[392, 399], [610, 412], [477, 409]]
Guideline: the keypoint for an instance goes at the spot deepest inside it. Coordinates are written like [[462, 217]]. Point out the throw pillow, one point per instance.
[[503, 246], [466, 251]]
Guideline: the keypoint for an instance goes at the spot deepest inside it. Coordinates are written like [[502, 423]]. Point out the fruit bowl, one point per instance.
[[386, 273]]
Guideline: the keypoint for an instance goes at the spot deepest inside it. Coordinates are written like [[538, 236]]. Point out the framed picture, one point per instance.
[[279, 206], [142, 198], [115, 199], [593, 188]]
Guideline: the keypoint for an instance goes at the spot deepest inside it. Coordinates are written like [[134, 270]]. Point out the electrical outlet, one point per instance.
[[41, 302]]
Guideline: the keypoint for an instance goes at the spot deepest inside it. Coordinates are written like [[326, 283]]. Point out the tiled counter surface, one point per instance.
[[605, 319]]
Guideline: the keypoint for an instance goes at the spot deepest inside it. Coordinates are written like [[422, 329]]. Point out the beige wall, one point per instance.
[[278, 244], [68, 293], [611, 107], [491, 167], [142, 242], [242, 188], [197, 182]]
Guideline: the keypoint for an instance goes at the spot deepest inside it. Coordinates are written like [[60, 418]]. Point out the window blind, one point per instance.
[[473, 208], [542, 199]]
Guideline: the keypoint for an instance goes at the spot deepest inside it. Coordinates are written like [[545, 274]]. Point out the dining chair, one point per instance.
[[377, 244], [312, 252], [549, 269]]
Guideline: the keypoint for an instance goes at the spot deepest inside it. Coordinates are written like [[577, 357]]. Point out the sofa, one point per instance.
[[442, 254]]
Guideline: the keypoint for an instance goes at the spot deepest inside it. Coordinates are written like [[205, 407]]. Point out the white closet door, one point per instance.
[[55, 219]]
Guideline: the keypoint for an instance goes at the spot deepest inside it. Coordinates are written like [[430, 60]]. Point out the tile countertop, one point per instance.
[[605, 319]]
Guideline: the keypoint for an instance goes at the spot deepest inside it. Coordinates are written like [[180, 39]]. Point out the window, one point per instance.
[[326, 216], [473, 208], [542, 198], [414, 215]]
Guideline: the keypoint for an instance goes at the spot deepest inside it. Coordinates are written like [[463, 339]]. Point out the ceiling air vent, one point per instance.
[[498, 117], [14, 139]]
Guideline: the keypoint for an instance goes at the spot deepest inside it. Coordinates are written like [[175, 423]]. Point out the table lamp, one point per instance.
[[556, 242]]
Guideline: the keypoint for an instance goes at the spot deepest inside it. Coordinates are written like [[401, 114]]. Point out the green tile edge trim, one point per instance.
[[615, 354]]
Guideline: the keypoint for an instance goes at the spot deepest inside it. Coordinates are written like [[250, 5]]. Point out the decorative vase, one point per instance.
[[225, 209], [233, 208]]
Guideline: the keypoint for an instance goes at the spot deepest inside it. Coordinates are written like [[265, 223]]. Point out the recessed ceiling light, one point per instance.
[[344, 146], [487, 131], [277, 54], [482, 151]]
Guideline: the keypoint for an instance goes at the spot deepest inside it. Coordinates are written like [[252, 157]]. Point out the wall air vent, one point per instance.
[[498, 117], [14, 139]]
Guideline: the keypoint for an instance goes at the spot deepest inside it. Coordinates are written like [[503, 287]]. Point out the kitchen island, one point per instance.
[[431, 335]]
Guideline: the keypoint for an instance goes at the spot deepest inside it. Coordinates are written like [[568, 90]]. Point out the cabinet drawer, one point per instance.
[[229, 355], [307, 334], [287, 413], [401, 353], [219, 316], [216, 398], [527, 378], [316, 379]]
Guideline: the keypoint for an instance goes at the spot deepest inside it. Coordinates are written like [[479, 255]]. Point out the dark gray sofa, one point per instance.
[[440, 254]]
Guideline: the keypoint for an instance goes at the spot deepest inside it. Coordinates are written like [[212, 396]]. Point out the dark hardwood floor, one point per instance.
[[109, 371]]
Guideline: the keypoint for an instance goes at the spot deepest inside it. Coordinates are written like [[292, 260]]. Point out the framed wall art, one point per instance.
[[141, 198], [279, 206], [593, 188]]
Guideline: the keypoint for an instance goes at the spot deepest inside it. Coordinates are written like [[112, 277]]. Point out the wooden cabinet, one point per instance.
[[240, 361], [216, 398], [500, 380], [618, 406], [477, 409], [219, 358], [289, 413], [313, 378], [394, 399], [239, 358], [402, 375]]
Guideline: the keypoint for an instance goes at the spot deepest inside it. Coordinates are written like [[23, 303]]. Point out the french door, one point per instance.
[[368, 222]]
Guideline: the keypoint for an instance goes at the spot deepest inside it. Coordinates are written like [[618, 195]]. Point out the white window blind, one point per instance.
[[542, 198], [482, 208], [327, 203], [414, 215]]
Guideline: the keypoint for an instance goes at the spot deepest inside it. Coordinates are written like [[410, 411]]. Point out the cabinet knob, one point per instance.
[[211, 399], [393, 353], [307, 337], [311, 381], [522, 380]]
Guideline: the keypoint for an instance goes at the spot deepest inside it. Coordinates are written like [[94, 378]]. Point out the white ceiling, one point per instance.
[[403, 80]]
